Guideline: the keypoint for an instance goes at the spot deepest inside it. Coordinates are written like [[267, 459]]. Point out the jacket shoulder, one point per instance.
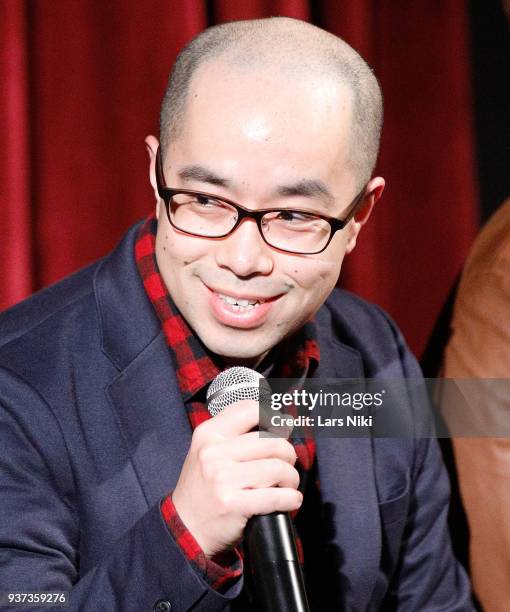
[[21, 319], [50, 332], [348, 307], [368, 329]]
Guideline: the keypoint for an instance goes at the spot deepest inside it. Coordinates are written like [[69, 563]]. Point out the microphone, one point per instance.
[[269, 543]]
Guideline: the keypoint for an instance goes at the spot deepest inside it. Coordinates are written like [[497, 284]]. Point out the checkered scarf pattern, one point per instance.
[[195, 369]]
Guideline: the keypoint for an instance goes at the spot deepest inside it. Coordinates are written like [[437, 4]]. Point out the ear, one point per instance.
[[373, 191], [152, 144]]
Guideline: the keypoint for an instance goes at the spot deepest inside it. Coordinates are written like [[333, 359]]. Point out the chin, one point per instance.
[[237, 350], [237, 356]]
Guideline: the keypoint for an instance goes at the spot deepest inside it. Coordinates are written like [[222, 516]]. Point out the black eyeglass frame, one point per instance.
[[166, 194]]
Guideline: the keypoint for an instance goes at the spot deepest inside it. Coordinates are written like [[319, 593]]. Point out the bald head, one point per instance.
[[297, 50]]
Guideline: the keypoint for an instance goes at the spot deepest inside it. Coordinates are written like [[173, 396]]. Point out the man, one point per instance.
[[269, 135]]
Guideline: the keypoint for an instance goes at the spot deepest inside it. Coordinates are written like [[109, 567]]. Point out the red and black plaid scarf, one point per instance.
[[195, 366]]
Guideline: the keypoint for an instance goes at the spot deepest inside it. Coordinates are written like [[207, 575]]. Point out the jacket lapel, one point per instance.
[[153, 419], [348, 488], [145, 395]]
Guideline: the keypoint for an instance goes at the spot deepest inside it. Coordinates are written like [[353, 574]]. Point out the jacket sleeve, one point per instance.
[[40, 529], [479, 348], [428, 576]]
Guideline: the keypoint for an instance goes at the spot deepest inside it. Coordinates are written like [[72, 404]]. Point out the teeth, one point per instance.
[[238, 304], [237, 307]]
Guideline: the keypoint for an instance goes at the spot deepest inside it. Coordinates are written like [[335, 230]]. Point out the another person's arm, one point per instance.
[[480, 348]]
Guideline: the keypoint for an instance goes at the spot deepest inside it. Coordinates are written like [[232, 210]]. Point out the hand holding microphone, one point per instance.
[[231, 474]]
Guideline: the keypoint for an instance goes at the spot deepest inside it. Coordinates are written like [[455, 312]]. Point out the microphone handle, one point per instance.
[[275, 573]]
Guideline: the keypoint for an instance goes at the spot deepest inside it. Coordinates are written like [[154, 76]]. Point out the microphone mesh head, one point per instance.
[[233, 385]]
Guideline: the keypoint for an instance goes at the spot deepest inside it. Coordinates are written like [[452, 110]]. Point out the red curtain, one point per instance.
[[82, 82]]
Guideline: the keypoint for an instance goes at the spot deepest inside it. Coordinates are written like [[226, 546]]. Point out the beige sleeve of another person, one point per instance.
[[480, 348]]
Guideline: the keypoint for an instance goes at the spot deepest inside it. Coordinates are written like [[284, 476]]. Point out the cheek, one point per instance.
[[164, 244], [177, 249], [317, 275]]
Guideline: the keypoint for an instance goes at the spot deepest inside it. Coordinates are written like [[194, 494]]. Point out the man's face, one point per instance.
[[247, 136]]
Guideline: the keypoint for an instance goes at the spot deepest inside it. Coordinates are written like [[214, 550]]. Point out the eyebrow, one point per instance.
[[203, 175], [308, 188]]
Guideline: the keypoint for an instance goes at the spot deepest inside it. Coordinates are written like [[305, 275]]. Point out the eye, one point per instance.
[[205, 202], [204, 205], [294, 216]]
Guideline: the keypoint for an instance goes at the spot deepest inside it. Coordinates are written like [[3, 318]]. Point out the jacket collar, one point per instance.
[[145, 395], [127, 320]]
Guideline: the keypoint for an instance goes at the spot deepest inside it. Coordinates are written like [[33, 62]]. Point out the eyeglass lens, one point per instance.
[[283, 229]]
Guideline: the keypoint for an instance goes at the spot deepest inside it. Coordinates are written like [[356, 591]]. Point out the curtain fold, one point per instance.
[[415, 244], [83, 81], [16, 229]]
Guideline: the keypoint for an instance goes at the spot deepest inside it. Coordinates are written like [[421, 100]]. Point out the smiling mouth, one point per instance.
[[241, 311], [239, 304]]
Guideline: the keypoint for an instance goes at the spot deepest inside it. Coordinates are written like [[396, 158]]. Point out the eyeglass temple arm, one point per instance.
[[356, 203], [160, 178]]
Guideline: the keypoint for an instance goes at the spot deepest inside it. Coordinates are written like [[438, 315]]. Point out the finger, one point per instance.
[[264, 501], [264, 473], [233, 420], [281, 428], [251, 446]]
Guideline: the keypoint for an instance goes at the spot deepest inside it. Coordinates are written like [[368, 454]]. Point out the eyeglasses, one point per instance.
[[298, 231]]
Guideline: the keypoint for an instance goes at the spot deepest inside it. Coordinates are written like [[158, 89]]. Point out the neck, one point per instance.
[[252, 363]]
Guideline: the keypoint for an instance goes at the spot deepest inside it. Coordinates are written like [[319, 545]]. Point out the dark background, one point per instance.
[[490, 51]]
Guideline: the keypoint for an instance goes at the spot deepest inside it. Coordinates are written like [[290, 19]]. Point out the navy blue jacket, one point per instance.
[[93, 433]]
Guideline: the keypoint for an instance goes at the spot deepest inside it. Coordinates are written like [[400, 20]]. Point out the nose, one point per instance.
[[244, 252]]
